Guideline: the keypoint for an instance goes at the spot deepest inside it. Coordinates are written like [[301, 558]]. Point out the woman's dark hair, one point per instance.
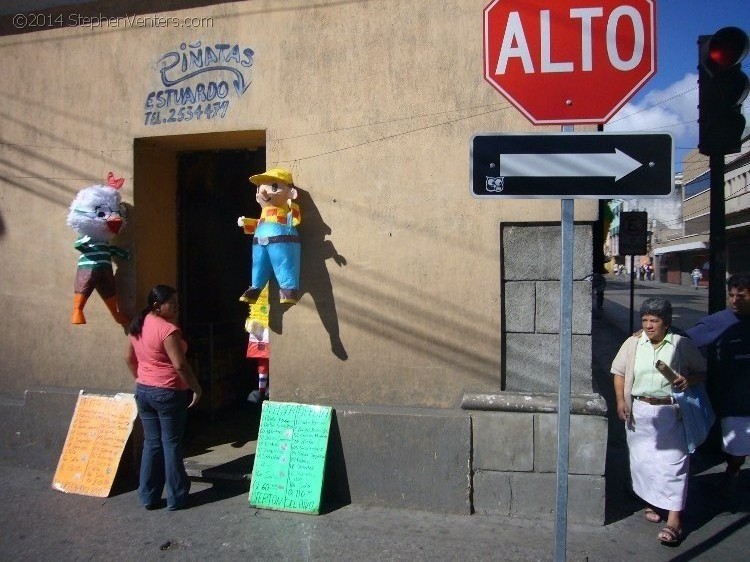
[[658, 306], [158, 295]]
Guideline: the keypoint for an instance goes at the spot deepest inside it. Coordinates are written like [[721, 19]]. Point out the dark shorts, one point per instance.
[[101, 279]]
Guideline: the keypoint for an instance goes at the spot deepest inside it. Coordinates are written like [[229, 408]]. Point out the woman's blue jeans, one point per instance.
[[163, 413]]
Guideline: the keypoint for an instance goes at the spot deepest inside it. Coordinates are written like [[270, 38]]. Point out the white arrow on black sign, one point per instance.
[[615, 164]]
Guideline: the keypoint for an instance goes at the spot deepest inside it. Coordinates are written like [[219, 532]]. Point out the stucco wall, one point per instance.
[[370, 104]]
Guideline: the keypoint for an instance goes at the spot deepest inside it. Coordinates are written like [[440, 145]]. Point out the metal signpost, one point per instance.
[[567, 166], [633, 239], [567, 63]]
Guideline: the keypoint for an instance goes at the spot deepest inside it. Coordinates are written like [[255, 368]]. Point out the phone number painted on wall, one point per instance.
[[199, 82]]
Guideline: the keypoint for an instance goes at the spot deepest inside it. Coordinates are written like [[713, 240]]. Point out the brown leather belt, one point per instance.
[[655, 401]]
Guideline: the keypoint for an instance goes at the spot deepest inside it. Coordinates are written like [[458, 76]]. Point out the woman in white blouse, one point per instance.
[[659, 458]]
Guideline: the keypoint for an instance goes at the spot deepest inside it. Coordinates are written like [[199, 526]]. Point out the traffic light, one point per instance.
[[722, 87]]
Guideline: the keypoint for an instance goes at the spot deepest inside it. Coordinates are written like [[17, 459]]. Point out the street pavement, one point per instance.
[[39, 523], [689, 305]]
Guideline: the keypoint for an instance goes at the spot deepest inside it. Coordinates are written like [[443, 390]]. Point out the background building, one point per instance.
[[664, 223], [679, 255]]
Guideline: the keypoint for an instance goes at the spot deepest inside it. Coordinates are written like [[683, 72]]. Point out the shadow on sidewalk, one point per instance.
[[606, 341]]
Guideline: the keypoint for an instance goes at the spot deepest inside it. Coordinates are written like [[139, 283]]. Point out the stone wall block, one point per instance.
[[520, 306], [532, 363], [548, 307], [587, 444], [533, 496], [503, 441], [535, 251]]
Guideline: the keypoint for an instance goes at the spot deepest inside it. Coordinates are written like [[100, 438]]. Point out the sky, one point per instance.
[[668, 102]]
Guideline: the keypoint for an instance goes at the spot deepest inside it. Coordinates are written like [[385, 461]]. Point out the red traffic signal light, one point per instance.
[[725, 48], [722, 87]]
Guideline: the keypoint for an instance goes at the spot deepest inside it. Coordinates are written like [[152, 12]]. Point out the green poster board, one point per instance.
[[290, 457]]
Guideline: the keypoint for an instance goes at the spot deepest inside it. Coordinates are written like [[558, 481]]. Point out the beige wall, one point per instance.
[[693, 166], [696, 206], [370, 104]]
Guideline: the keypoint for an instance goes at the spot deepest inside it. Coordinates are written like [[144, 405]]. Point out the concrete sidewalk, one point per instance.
[[43, 524], [689, 305]]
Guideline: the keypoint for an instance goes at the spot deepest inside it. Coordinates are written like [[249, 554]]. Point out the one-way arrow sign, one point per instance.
[[567, 165]]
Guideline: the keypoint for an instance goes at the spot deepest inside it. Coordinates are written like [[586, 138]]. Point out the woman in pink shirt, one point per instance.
[[165, 388]]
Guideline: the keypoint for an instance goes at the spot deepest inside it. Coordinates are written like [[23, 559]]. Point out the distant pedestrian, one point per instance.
[[657, 444], [728, 331], [697, 276]]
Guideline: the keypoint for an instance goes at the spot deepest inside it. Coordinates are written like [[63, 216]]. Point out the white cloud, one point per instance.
[[671, 110]]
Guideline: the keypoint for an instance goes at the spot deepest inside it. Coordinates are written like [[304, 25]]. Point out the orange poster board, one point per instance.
[[96, 440]]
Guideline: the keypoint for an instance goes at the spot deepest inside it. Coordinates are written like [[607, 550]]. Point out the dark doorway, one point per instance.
[[214, 269]]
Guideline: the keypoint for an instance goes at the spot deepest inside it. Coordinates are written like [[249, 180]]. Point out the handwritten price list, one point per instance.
[[290, 457], [96, 440]]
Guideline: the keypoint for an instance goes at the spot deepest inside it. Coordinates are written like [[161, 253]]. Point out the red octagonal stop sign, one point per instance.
[[569, 61]]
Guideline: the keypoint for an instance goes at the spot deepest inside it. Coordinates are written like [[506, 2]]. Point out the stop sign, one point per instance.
[[569, 61]]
